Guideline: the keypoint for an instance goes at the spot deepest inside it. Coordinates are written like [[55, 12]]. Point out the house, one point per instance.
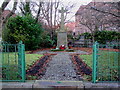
[[5, 13], [70, 26], [86, 15]]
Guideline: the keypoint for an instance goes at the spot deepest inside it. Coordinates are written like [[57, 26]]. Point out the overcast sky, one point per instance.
[[77, 3]]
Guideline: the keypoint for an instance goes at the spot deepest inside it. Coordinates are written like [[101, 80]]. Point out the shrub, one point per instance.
[[103, 36], [46, 40], [23, 28], [87, 35]]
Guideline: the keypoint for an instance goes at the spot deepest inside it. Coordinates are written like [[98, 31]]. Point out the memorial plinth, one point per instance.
[[62, 39]]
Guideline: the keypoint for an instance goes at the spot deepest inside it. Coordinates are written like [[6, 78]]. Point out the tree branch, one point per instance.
[[5, 3], [11, 13], [105, 12], [40, 5], [21, 8]]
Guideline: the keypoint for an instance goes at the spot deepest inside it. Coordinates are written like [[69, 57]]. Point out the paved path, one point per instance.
[[61, 67], [48, 51]]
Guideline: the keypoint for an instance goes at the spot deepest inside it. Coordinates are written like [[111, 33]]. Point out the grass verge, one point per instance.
[[107, 65], [11, 70]]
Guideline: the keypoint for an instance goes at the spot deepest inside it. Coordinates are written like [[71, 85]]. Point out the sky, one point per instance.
[[77, 3]]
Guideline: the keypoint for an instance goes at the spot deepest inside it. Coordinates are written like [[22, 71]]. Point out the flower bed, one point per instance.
[[81, 67], [37, 70]]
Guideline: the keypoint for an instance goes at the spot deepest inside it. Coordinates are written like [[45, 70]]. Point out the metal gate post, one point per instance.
[[23, 63], [94, 69], [22, 60]]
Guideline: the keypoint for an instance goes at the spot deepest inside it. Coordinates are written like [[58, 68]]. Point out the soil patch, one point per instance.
[[81, 67], [38, 69], [34, 51], [90, 50], [108, 49]]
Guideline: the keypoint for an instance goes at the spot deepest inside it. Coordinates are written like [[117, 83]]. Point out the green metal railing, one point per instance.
[[105, 63], [13, 62]]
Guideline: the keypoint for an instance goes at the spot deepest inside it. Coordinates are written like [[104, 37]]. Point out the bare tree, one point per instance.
[[95, 20], [39, 11], [25, 8], [0, 22], [5, 3], [4, 20], [91, 20], [10, 14], [114, 6], [50, 13], [47, 13], [113, 11]]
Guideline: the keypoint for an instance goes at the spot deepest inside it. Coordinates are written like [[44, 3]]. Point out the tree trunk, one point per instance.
[[4, 4], [0, 22], [93, 38], [9, 15], [39, 10]]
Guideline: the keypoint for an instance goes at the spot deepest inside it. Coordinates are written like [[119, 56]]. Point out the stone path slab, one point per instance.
[[55, 85]]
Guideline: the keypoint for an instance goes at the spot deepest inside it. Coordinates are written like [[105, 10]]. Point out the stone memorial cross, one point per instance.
[[62, 11]]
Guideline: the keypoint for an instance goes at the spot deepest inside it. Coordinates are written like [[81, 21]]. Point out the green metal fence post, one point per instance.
[[94, 63], [19, 59], [21, 49], [1, 57], [23, 63]]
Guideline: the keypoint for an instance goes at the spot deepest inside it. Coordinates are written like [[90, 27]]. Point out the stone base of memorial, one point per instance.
[[62, 39]]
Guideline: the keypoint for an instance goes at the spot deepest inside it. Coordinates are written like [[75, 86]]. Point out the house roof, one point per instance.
[[80, 9], [6, 12], [101, 5], [70, 26]]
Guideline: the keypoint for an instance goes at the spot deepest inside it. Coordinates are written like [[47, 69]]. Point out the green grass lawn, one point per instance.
[[13, 58], [87, 59], [107, 65], [10, 64], [31, 58]]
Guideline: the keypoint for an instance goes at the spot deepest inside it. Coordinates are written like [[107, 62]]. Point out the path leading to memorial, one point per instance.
[[61, 68]]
